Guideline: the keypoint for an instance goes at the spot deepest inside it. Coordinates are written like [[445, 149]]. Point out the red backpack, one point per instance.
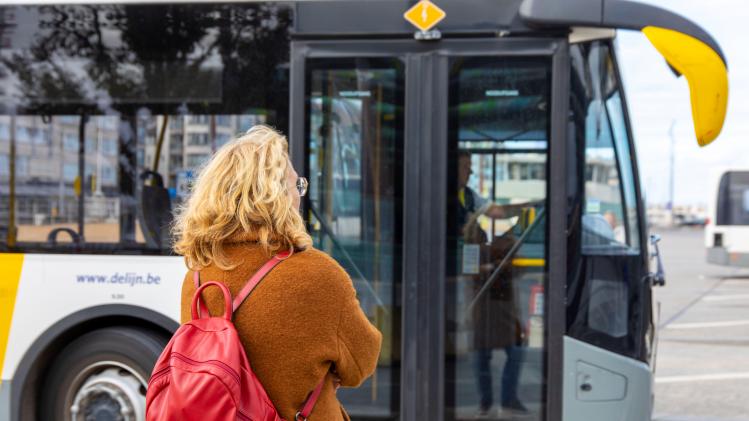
[[204, 374]]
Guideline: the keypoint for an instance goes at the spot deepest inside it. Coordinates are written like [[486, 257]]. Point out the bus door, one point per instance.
[[432, 183], [608, 347]]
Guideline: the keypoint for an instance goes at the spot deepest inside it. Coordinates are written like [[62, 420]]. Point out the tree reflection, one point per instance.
[[105, 58]]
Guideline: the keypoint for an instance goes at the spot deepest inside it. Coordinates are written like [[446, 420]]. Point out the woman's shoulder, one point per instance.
[[317, 260], [317, 265]]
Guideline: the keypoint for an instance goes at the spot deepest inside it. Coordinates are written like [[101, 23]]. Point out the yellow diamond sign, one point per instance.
[[424, 15]]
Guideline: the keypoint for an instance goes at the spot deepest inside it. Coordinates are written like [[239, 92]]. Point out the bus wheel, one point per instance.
[[101, 376]]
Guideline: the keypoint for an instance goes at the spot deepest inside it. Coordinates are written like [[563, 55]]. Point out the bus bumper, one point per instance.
[[721, 256]]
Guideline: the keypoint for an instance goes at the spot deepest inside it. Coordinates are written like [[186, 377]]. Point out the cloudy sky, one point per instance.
[[656, 98]]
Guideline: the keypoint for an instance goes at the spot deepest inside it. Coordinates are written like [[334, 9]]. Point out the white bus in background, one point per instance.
[[727, 231]]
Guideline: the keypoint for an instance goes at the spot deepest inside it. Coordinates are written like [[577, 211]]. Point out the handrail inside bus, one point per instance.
[[505, 260], [348, 257]]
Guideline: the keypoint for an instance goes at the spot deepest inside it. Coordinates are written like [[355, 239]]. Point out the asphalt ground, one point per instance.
[[702, 371]]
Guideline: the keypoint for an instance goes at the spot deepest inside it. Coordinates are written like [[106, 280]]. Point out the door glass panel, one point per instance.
[[496, 263], [355, 167], [603, 219], [615, 109]]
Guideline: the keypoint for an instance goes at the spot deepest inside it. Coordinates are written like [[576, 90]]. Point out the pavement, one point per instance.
[[702, 371]]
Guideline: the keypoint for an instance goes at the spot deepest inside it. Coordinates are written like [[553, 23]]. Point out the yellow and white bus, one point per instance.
[[410, 120]]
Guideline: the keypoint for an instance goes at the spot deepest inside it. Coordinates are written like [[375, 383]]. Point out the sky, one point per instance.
[[657, 98]]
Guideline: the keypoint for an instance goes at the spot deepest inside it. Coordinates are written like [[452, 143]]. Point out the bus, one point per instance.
[[471, 166], [727, 229]]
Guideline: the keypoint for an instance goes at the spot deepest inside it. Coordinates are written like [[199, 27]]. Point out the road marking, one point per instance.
[[736, 281], [691, 304], [742, 342], [702, 377], [702, 325], [727, 297]]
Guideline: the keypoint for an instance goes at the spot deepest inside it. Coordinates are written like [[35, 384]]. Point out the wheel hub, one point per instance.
[[115, 394]]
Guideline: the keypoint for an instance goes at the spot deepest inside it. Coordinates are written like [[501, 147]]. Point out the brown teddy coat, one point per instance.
[[302, 321]]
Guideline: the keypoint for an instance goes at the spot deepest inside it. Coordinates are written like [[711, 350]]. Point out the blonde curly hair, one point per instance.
[[241, 191]]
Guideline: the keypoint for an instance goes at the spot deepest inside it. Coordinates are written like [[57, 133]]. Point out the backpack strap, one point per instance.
[[196, 314], [309, 404], [251, 284], [201, 303], [258, 276]]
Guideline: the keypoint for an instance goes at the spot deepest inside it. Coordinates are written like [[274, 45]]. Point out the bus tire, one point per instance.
[[102, 372]]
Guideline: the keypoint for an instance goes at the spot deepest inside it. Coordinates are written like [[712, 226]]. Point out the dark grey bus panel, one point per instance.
[[621, 14], [384, 18], [688, 49]]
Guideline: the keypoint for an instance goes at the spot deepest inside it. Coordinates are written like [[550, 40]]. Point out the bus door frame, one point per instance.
[[422, 386]]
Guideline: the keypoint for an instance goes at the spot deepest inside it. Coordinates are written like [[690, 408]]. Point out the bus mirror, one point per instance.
[[659, 277], [706, 75], [688, 49]]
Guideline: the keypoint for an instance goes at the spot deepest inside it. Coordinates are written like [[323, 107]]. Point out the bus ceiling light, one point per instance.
[[688, 49]]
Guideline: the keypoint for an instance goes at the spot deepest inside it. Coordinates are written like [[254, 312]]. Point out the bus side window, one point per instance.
[[102, 156], [65, 179], [102, 183], [609, 189], [614, 107]]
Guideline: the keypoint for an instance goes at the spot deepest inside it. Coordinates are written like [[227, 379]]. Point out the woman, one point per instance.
[[303, 322]]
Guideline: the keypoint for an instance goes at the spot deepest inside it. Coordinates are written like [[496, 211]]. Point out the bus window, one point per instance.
[[65, 185], [497, 183], [603, 219], [51, 193], [610, 213], [614, 107], [109, 134]]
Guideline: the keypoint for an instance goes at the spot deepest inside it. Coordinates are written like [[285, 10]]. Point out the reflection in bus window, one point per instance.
[[103, 155], [604, 212], [63, 174], [610, 213], [614, 107], [58, 176]]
